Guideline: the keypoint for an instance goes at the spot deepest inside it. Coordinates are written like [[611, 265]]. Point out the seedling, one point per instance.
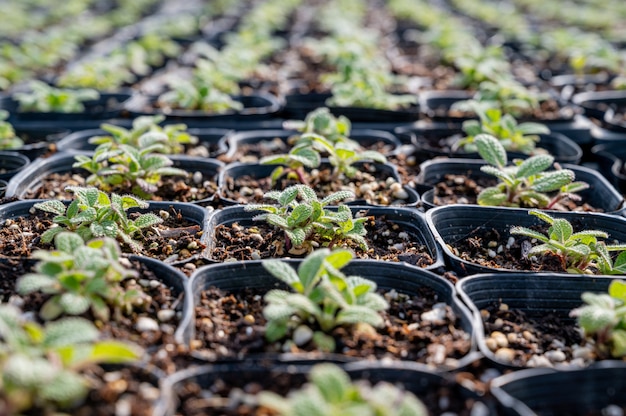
[[94, 214], [123, 166], [603, 320], [322, 122], [580, 252], [172, 137], [331, 392], [526, 182], [41, 366], [8, 138], [45, 98], [309, 149], [198, 95], [322, 298], [506, 94], [514, 136], [307, 222], [83, 276]]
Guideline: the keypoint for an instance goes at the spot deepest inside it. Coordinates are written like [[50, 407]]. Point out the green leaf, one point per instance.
[[561, 230], [74, 303], [147, 220], [300, 214], [275, 330], [338, 258], [518, 230], [554, 180], [534, 165], [284, 272], [491, 150], [68, 242], [297, 236], [353, 314], [618, 339], [66, 388], [498, 173], [114, 352], [33, 282], [492, 196], [53, 206], [617, 288], [332, 382], [70, 331], [311, 268]]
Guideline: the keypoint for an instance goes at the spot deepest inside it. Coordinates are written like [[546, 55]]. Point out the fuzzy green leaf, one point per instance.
[[284, 272], [534, 165], [354, 314], [147, 220], [491, 150], [332, 382], [492, 196], [54, 206], [554, 180]]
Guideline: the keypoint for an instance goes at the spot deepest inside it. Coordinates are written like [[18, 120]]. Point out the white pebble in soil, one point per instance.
[[302, 335], [145, 324]]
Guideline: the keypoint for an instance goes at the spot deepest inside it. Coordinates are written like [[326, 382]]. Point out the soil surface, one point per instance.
[[231, 324], [370, 185], [386, 242], [541, 340], [174, 240], [464, 189], [172, 188]]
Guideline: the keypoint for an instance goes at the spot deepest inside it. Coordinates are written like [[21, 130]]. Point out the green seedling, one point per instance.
[[46, 99], [603, 320], [306, 220], [322, 298], [331, 392], [580, 252], [526, 182], [83, 277], [42, 366], [94, 214]]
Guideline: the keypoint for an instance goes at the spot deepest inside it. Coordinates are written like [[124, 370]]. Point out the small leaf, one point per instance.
[[491, 150], [534, 165], [331, 381], [492, 196], [552, 181]]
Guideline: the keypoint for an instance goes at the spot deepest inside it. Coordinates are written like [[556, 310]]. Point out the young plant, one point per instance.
[[322, 298], [322, 122], [198, 95], [506, 94], [580, 252], [331, 392], [123, 166], [603, 320], [514, 136], [526, 182], [41, 366], [83, 276], [172, 137], [45, 98], [306, 221], [94, 214], [8, 138]]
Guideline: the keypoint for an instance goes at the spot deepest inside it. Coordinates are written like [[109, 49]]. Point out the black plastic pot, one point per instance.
[[600, 390], [571, 84], [432, 141], [189, 212], [436, 106], [39, 141], [62, 162], [410, 220], [601, 194], [611, 158], [108, 106], [297, 106], [595, 104], [454, 223], [232, 171], [212, 139], [440, 391], [236, 276], [257, 107], [11, 163], [366, 137], [536, 294]]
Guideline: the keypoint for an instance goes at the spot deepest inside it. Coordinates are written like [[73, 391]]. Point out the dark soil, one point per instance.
[[172, 188], [252, 152], [231, 324], [386, 242], [370, 185], [174, 240], [532, 335], [487, 247], [223, 394], [464, 189]]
